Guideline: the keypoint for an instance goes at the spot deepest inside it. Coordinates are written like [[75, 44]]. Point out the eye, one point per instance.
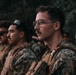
[[41, 22]]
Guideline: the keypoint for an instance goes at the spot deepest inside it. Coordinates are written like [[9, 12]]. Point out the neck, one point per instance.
[[54, 41], [20, 42]]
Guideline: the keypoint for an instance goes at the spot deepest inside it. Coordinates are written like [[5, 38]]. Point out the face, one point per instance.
[[44, 26], [13, 35], [3, 35]]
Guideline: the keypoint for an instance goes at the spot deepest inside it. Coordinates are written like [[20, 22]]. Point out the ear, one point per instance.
[[21, 34], [57, 25]]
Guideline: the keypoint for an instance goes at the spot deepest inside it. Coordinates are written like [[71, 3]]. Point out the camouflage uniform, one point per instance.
[[38, 49], [64, 62], [4, 50], [18, 60]]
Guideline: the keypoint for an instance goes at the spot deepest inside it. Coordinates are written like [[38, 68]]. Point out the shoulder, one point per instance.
[[66, 53], [66, 59], [68, 50], [24, 56], [26, 52]]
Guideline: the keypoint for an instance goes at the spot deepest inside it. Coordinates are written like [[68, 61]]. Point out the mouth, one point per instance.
[[9, 39], [38, 33]]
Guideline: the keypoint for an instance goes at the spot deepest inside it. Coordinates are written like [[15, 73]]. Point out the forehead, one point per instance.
[[12, 27], [42, 15]]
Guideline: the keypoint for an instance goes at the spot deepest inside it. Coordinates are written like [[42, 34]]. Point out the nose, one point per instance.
[[36, 26]]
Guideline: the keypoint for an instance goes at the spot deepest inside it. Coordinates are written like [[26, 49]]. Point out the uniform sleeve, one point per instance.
[[23, 61], [65, 63]]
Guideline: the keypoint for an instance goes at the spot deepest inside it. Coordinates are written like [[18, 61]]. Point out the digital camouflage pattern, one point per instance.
[[4, 50], [65, 62], [61, 61], [38, 48], [18, 60]]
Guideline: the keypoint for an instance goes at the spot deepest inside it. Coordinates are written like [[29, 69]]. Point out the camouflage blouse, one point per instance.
[[61, 61], [65, 61], [18, 60]]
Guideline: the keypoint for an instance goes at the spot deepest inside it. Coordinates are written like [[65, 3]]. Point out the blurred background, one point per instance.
[[25, 10]]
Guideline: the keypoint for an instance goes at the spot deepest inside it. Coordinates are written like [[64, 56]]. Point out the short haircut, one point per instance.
[[22, 26], [55, 14], [5, 24]]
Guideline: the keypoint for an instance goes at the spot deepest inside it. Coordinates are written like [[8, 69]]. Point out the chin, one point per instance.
[[10, 42], [40, 38]]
